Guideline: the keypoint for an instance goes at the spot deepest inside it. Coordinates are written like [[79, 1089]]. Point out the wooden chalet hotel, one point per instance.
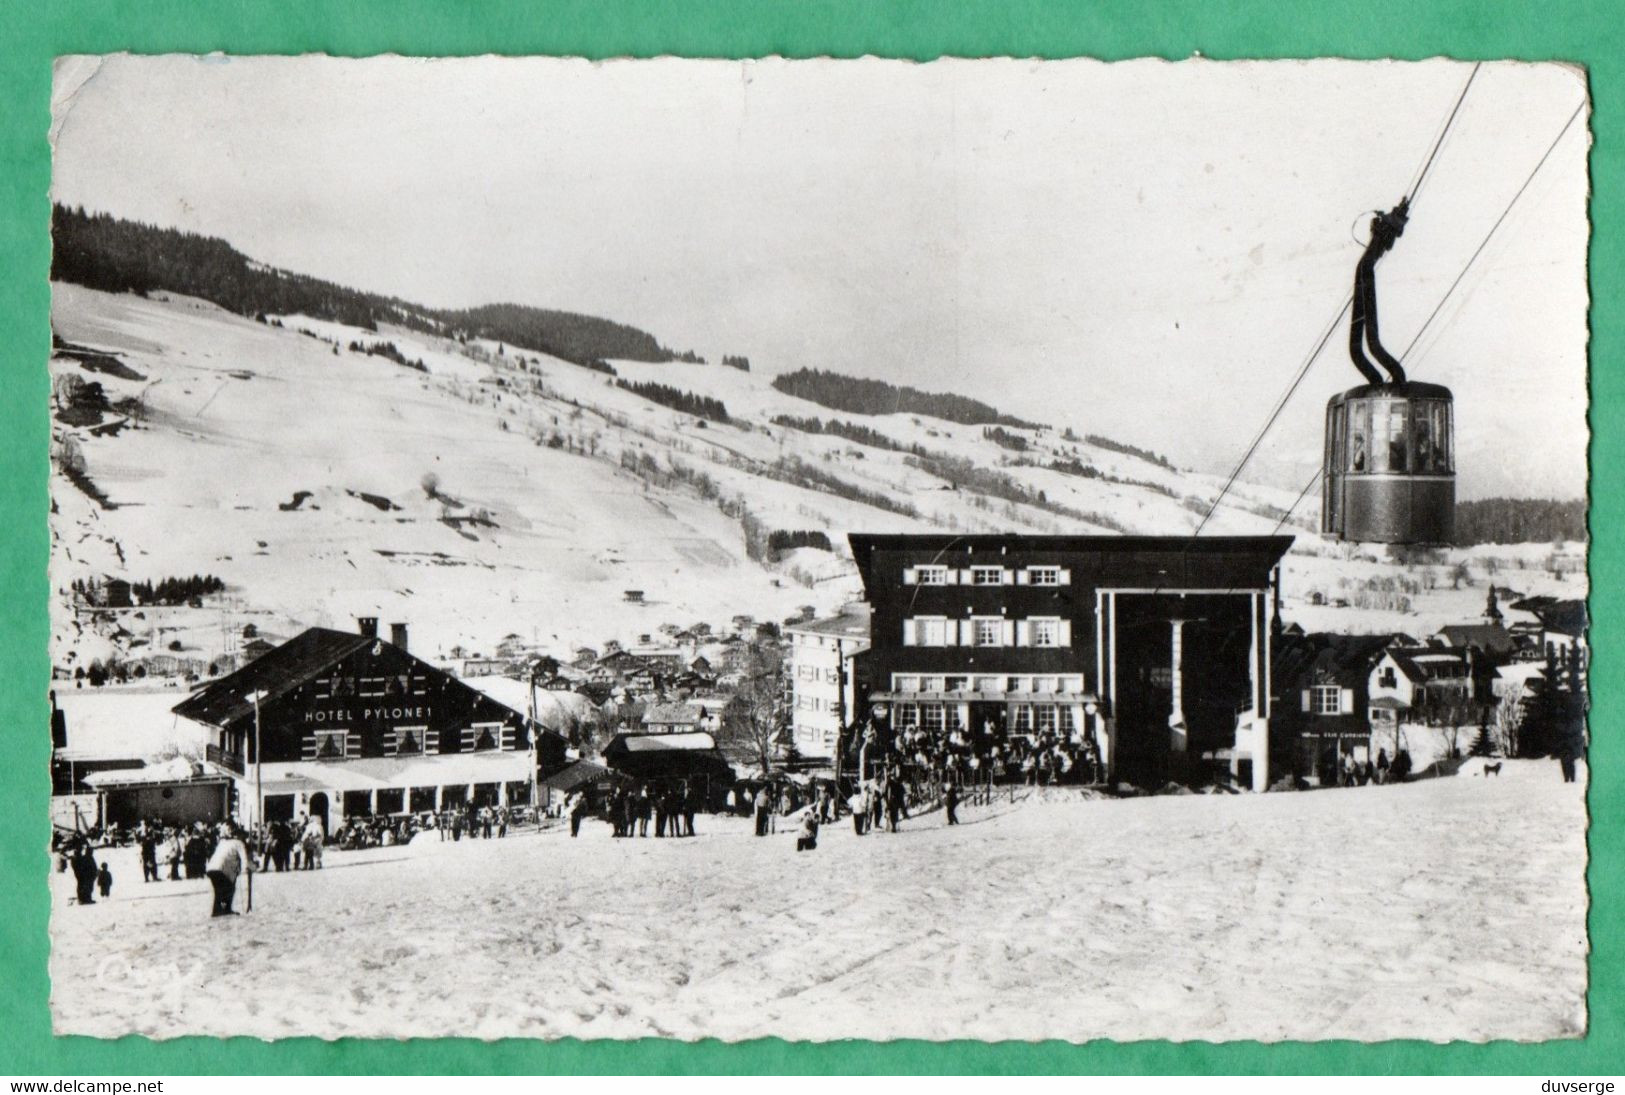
[[352, 724], [1157, 648]]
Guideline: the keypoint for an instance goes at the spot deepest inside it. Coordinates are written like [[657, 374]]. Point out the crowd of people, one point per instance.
[[1352, 772], [168, 853], [962, 758], [631, 805]]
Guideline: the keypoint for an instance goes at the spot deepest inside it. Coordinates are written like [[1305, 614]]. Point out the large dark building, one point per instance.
[[1157, 648], [353, 724]]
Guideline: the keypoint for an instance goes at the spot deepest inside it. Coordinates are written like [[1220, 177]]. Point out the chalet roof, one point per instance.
[[1490, 638], [847, 625], [1566, 617], [1421, 665], [175, 770], [1346, 658], [684, 712], [274, 672], [691, 742], [575, 776]]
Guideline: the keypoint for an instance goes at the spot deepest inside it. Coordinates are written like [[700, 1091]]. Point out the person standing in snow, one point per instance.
[[763, 804], [104, 882], [578, 810], [646, 809], [149, 854], [808, 840], [691, 806], [950, 801], [83, 862], [226, 864]]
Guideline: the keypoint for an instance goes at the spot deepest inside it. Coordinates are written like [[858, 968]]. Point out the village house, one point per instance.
[[662, 659], [353, 725], [823, 686], [1154, 649], [1418, 683], [682, 716], [1324, 706]]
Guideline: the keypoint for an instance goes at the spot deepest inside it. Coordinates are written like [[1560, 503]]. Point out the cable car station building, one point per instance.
[[352, 725], [1156, 648]]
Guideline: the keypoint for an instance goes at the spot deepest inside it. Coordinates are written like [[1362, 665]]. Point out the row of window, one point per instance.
[[1046, 631], [815, 703], [1067, 684], [1025, 718], [405, 741], [942, 575], [1396, 436], [805, 672], [397, 684]]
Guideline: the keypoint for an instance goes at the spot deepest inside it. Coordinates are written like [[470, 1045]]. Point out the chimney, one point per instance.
[[397, 635], [368, 626]]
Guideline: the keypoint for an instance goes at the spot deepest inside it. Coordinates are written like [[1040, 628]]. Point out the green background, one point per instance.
[[1586, 34]]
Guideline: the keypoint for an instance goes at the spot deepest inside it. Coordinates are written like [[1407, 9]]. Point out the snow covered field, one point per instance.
[[1448, 909]]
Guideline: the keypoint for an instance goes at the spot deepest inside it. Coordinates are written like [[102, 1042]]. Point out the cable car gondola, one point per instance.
[[1388, 472]]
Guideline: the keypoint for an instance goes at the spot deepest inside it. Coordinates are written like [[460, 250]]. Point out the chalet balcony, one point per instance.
[[232, 762]]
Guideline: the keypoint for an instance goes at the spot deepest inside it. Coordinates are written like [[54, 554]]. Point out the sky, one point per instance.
[[1146, 250]]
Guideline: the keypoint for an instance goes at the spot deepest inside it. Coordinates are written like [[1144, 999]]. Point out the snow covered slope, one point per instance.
[[497, 490]]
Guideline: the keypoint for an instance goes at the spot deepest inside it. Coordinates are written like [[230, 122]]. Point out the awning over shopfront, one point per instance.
[[384, 773], [982, 697]]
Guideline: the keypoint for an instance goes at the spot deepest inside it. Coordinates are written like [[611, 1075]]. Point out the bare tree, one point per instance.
[[754, 721], [1509, 720]]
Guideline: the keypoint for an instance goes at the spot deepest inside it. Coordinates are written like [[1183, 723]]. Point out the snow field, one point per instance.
[[1445, 909]]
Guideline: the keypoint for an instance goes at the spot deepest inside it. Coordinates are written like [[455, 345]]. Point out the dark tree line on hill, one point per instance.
[[700, 406], [737, 361], [1519, 521], [852, 431], [856, 395], [1128, 450], [100, 251], [784, 540], [166, 591], [1005, 439], [390, 352], [569, 336]]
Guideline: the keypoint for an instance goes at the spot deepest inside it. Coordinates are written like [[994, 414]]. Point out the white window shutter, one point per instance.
[[1066, 577], [1024, 633], [967, 633], [1345, 702], [952, 577], [967, 577], [1007, 576], [1009, 638], [1306, 701], [911, 633], [1023, 578], [911, 575], [1063, 633]]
